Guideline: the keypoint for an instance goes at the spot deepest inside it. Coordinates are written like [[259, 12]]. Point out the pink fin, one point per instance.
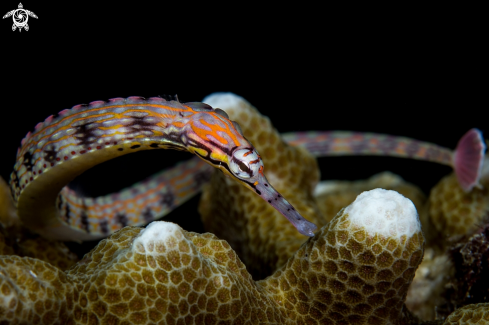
[[39, 125], [468, 158], [97, 103], [117, 100], [79, 106], [135, 100], [48, 119], [64, 112]]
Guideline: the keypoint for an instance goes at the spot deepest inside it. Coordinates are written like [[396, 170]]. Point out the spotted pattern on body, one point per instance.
[[341, 143], [132, 124], [62, 147]]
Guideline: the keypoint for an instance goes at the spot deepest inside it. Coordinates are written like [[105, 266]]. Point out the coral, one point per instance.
[[455, 213], [360, 265], [54, 252], [331, 196], [426, 293], [34, 292], [263, 239], [263, 256], [25, 244], [355, 270], [476, 314], [15, 239]]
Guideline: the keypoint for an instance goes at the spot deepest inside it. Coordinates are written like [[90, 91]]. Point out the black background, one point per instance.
[[416, 72]]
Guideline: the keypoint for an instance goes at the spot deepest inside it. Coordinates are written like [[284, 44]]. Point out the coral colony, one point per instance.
[[383, 253]]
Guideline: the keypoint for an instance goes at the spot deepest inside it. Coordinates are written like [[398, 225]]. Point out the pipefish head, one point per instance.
[[247, 167], [221, 143]]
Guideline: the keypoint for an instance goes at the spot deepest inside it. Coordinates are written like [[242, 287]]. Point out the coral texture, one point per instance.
[[455, 212], [15, 239], [427, 291], [348, 273], [34, 292], [448, 204], [477, 314], [332, 196], [358, 274], [261, 236], [356, 270], [54, 252]]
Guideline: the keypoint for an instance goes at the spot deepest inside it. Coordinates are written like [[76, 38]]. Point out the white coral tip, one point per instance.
[[161, 232], [223, 100], [384, 212]]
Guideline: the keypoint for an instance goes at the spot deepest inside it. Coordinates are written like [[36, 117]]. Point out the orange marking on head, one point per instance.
[[247, 153], [232, 133], [203, 134], [261, 170], [178, 124], [232, 125], [255, 183], [189, 109], [255, 161]]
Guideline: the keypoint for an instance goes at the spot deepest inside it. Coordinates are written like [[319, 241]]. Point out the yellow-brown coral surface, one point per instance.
[[17, 240], [165, 275], [332, 196], [476, 314], [351, 272], [455, 212], [261, 236]]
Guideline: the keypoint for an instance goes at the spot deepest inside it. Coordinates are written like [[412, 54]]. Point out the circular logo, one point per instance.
[[20, 18]]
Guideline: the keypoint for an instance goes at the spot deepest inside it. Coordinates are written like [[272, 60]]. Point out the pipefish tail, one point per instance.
[[466, 160]]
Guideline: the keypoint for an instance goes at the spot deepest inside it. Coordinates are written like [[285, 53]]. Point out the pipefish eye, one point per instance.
[[245, 163]]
